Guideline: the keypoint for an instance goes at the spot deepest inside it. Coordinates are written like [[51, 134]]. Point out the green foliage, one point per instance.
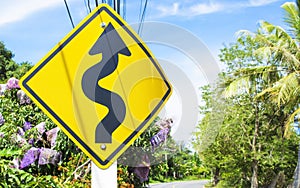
[[169, 161], [231, 154], [12, 177], [253, 143], [292, 17], [21, 69], [8, 68], [74, 168], [65, 174]]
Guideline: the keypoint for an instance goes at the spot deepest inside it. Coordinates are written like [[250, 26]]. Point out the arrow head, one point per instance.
[[109, 44]]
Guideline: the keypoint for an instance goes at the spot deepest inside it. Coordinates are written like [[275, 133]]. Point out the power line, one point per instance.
[[115, 5], [69, 13], [141, 8], [142, 17], [89, 5], [124, 9], [87, 10], [118, 6]]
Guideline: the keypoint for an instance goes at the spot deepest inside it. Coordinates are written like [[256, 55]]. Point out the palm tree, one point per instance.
[[278, 70], [280, 50]]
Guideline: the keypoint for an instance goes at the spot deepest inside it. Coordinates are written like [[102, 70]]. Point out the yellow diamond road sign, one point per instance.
[[101, 85]]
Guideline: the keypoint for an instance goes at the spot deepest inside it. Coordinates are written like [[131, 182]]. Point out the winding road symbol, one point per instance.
[[110, 45]]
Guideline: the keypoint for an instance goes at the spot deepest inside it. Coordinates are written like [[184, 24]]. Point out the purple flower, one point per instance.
[[30, 156], [142, 173], [142, 169], [1, 134], [31, 141], [49, 156], [12, 83], [163, 134], [23, 98], [51, 136], [27, 126], [41, 127], [2, 121], [159, 138], [165, 123]]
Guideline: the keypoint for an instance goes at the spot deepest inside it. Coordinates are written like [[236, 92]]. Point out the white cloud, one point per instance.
[[178, 9], [167, 11], [256, 3], [15, 10], [190, 8], [208, 8]]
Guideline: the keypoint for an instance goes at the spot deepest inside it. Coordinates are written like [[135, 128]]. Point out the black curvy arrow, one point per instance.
[[109, 44]]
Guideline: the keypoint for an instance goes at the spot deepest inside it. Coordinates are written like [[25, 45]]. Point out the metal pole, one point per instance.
[[104, 178]]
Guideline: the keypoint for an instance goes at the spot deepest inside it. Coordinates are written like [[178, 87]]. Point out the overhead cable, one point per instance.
[[69, 13], [118, 6], [87, 9], [89, 5], [142, 17], [124, 9]]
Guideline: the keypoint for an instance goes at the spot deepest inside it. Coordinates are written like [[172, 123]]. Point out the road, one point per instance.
[[185, 184]]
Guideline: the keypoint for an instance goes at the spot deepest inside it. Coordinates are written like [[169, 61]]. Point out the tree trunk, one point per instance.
[[274, 181], [296, 183], [216, 176], [254, 178], [254, 181]]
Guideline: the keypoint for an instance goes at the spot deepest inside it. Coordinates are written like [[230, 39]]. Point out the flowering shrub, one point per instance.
[[136, 162], [33, 151], [12, 83]]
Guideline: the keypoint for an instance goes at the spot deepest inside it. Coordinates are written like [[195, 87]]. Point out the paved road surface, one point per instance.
[[186, 184]]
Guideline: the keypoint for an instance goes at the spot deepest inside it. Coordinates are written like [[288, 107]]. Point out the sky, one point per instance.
[[31, 28]]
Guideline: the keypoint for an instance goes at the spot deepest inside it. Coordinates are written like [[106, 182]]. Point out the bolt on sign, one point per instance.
[[100, 84]]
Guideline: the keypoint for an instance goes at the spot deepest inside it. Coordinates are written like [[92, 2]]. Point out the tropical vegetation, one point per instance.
[[249, 136], [36, 153]]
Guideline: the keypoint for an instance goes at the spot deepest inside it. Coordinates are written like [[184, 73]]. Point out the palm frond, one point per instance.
[[284, 91], [244, 76], [271, 92], [292, 18], [290, 121], [279, 54], [237, 86], [255, 70], [288, 88], [276, 34]]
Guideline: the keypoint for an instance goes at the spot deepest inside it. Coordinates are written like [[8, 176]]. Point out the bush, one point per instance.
[[34, 152]]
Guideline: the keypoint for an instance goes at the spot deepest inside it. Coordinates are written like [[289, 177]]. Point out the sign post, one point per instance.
[[104, 178]]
